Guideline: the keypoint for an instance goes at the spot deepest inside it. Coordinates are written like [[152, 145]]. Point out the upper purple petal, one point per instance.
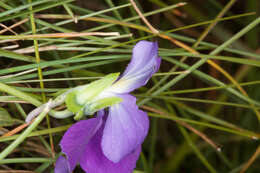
[[125, 129], [62, 165], [143, 53], [94, 161], [144, 63], [76, 138]]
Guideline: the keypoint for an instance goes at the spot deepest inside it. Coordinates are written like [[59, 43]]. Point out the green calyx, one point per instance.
[[71, 102], [92, 90], [85, 101], [101, 104]]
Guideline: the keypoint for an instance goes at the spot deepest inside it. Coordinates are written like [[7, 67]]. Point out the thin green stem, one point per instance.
[[214, 22], [19, 94], [196, 150], [36, 49], [38, 60], [26, 160]]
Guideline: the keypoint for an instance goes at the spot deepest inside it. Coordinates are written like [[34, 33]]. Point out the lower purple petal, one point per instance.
[[94, 161], [125, 129], [76, 138], [62, 165]]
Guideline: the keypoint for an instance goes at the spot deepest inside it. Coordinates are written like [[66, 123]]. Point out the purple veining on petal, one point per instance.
[[62, 165], [94, 161], [77, 137], [125, 129]]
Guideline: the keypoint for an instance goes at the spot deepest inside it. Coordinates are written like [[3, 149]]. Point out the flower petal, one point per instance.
[[143, 52], [77, 137], [125, 129], [144, 63], [94, 161], [62, 165]]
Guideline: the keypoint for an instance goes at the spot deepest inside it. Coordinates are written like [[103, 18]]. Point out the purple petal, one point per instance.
[[144, 63], [76, 138], [62, 165], [94, 161], [125, 129], [143, 52]]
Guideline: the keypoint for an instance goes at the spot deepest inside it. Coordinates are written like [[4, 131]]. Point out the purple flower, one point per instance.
[[111, 142]]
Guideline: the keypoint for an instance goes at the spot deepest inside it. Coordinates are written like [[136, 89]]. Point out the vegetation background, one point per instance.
[[203, 103]]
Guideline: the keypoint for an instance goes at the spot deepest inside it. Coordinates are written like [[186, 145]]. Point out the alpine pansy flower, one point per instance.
[[111, 140]]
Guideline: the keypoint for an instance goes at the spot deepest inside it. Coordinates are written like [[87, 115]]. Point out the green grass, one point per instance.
[[185, 90]]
